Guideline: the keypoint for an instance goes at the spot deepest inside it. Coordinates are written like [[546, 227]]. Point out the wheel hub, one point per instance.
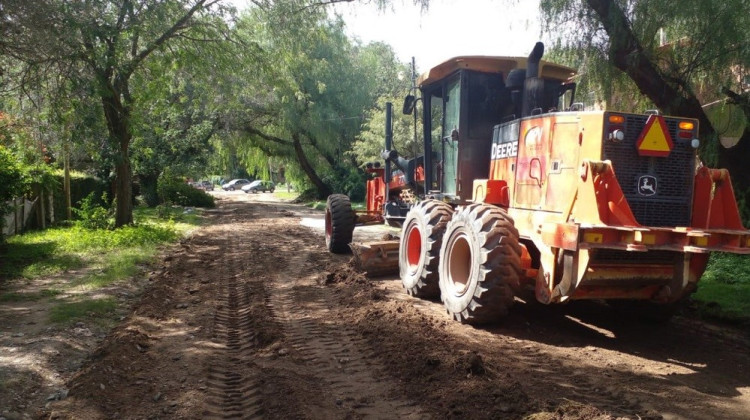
[[329, 226], [413, 248], [459, 263]]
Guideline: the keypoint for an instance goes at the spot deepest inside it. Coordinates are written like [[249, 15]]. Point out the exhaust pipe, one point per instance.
[[388, 141], [533, 87], [532, 64]]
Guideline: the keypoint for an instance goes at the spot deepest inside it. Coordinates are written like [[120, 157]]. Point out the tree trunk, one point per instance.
[[66, 181], [626, 53], [323, 189], [123, 190], [118, 125]]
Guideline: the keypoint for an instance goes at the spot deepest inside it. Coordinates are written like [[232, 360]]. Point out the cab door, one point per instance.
[[451, 120], [531, 166]]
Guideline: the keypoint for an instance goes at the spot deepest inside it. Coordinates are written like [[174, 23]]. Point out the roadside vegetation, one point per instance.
[[724, 291], [80, 260]]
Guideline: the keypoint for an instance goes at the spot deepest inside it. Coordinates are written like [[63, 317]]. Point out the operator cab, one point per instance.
[[464, 98]]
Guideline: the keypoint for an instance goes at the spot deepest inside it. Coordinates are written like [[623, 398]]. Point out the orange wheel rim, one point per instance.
[[329, 227], [413, 248], [460, 263]]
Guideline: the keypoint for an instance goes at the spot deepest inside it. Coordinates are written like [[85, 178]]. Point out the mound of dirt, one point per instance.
[[344, 273]]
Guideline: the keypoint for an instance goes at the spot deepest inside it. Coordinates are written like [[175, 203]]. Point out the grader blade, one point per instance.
[[376, 258]]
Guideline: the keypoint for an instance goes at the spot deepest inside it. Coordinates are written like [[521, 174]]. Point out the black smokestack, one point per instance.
[[532, 64]]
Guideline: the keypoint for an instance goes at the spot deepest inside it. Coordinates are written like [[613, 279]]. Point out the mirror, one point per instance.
[[409, 103]]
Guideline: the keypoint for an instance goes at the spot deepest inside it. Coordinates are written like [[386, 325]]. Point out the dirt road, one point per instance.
[[251, 318]]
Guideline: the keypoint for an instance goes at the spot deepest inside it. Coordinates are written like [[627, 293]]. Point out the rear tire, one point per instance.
[[419, 247], [339, 223], [480, 264]]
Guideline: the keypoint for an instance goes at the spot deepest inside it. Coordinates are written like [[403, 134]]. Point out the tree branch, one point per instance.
[[321, 3], [742, 100], [254, 131], [627, 54], [179, 25]]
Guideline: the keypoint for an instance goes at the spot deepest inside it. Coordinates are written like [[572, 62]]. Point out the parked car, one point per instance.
[[259, 185], [235, 184], [207, 185]]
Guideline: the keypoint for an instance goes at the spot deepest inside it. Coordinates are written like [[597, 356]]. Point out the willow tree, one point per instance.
[[306, 89], [681, 56]]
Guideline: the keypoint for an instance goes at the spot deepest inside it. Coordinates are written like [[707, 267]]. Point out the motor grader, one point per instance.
[[523, 193]]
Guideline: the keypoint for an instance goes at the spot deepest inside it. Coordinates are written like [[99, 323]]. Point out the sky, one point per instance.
[[449, 28]]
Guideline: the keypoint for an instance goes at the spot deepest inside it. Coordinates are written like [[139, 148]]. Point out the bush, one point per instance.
[[347, 180], [174, 190], [81, 185], [92, 214], [12, 183]]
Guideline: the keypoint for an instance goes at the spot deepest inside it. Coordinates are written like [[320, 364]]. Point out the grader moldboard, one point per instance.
[[521, 192]]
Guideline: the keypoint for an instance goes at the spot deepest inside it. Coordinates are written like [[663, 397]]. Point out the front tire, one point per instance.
[[419, 247], [480, 262], [339, 223]]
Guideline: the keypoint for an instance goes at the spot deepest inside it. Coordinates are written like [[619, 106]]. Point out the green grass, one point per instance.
[[321, 205], [103, 256], [183, 220], [30, 296], [57, 250], [97, 310], [724, 290], [60, 249], [115, 267], [286, 195]]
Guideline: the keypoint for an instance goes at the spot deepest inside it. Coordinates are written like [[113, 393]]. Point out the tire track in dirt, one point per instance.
[[339, 357], [234, 393]]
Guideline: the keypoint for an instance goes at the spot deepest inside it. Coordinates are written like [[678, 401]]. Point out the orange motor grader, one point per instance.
[[526, 194]]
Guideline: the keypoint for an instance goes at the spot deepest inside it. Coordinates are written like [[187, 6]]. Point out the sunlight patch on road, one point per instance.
[[602, 331], [313, 222]]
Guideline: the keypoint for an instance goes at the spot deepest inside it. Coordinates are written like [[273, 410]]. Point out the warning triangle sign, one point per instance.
[[654, 139]]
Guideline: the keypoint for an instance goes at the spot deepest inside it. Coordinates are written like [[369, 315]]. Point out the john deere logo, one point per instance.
[[647, 185]]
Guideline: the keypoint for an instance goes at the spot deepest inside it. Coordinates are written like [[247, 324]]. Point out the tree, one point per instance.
[[393, 81], [106, 43], [308, 90], [175, 131], [711, 41]]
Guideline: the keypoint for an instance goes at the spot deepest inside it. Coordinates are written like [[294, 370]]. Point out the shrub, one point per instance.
[[12, 183], [347, 180], [81, 185], [174, 190], [92, 214]]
